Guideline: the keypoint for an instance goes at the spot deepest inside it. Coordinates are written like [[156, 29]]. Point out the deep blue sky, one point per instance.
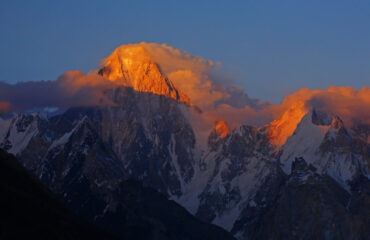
[[269, 47]]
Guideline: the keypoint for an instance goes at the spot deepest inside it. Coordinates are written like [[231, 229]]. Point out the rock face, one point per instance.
[[132, 66], [234, 170], [305, 170], [144, 136], [152, 138]]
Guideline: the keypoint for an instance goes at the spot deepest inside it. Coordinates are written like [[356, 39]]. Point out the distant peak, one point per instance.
[[132, 66], [222, 129], [322, 118], [282, 128]]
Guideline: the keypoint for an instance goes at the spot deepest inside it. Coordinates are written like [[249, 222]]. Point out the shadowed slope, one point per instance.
[[30, 211]]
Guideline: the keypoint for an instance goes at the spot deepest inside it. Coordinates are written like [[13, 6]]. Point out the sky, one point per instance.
[[270, 48]]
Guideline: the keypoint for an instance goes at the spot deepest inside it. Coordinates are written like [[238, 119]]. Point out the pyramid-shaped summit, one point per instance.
[[132, 66]]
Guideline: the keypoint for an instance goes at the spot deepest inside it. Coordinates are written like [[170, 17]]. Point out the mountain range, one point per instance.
[[305, 175]]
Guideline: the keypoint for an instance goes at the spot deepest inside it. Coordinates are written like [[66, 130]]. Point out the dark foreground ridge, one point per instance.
[[31, 211]]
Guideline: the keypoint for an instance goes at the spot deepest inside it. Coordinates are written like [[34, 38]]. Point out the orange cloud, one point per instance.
[[346, 102], [351, 105], [73, 81]]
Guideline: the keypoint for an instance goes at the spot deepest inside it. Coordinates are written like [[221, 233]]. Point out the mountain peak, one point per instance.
[[221, 129], [322, 118], [282, 128], [132, 66]]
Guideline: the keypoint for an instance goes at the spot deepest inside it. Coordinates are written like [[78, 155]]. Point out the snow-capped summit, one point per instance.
[[324, 141], [132, 66]]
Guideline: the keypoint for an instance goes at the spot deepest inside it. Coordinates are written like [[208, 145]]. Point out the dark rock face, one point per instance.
[[253, 217], [305, 205], [143, 213], [141, 135], [30, 211], [152, 138], [132, 212], [86, 155]]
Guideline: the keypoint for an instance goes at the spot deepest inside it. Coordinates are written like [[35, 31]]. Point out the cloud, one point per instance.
[[28, 95], [351, 105], [72, 88], [346, 102]]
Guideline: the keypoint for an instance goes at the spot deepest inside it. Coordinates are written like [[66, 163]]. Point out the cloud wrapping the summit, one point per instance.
[[200, 81], [346, 102], [189, 73], [351, 105]]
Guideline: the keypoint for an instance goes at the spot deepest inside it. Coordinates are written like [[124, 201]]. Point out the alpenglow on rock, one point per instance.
[[132, 66]]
